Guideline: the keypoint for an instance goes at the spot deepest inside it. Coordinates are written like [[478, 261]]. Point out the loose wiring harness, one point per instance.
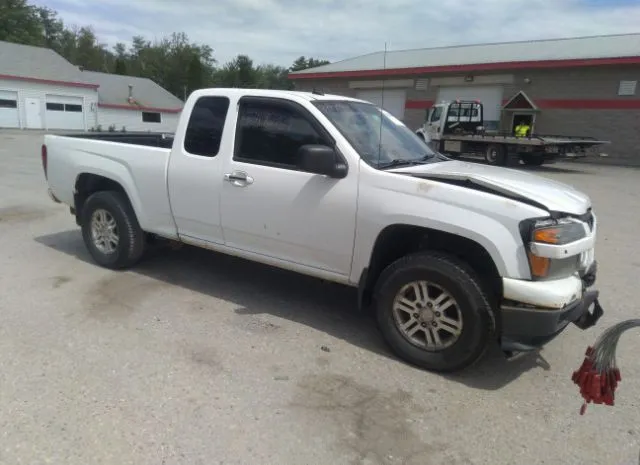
[[599, 375]]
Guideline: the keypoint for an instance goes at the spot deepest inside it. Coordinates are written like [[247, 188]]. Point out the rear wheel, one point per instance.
[[433, 312], [495, 155], [111, 231], [531, 160]]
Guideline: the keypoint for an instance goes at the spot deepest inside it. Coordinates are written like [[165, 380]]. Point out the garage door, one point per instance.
[[491, 98], [9, 109], [64, 112], [394, 100]]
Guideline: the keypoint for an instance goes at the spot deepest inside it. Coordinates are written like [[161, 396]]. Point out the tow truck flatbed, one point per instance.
[[456, 128]]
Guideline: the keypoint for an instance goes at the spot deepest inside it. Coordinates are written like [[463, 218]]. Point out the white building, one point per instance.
[[137, 104], [39, 89]]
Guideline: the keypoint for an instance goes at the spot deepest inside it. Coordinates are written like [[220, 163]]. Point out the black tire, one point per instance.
[[532, 161], [131, 238], [459, 281], [495, 155]]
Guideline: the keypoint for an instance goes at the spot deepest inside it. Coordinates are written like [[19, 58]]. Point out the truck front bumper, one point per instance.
[[535, 312]]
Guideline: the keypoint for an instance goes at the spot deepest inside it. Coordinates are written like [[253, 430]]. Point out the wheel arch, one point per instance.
[[88, 183], [398, 240]]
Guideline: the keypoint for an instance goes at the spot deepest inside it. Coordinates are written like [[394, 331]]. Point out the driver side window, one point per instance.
[[271, 133], [435, 115]]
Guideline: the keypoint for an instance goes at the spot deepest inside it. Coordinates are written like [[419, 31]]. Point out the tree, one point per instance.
[[120, 67], [239, 72], [273, 77], [52, 28], [305, 63], [20, 23], [196, 77], [90, 55]]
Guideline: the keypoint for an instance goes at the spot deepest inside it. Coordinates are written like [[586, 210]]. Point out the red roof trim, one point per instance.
[[116, 106], [555, 104], [49, 81], [471, 67]]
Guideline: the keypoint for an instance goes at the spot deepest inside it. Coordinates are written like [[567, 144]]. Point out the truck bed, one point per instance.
[[535, 140], [149, 139], [137, 161]]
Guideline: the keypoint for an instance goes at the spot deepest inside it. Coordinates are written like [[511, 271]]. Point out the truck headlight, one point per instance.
[[561, 233], [555, 232]]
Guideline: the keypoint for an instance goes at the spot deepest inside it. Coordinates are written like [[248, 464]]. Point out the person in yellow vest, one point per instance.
[[522, 129]]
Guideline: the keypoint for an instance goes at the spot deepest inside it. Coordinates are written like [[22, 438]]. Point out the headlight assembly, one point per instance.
[[561, 233], [551, 232]]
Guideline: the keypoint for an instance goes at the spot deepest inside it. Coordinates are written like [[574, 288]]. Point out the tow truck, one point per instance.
[[456, 128]]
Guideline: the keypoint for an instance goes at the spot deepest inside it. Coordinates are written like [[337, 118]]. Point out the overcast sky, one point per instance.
[[278, 31]]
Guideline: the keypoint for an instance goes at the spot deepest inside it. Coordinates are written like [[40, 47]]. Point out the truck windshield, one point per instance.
[[380, 139]]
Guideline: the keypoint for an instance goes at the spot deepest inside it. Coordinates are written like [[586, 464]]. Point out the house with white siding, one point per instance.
[[133, 103], [39, 89]]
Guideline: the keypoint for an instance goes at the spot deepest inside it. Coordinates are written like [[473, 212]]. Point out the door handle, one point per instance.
[[238, 178]]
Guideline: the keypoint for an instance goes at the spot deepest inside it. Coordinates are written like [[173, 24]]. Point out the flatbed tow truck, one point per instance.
[[456, 128]]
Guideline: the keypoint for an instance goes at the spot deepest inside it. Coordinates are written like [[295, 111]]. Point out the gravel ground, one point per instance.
[[198, 358]]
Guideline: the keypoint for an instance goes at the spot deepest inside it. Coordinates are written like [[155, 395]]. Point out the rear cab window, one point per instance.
[[206, 125]]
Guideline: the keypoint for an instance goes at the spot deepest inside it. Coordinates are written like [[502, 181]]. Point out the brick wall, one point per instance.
[[621, 127], [576, 83]]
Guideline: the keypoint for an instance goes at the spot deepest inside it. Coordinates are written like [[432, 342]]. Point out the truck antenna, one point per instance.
[[384, 68]]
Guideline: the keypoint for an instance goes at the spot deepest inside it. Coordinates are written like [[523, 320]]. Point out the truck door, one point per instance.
[[270, 207], [194, 172]]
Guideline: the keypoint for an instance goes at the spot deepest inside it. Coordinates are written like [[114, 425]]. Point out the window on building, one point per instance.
[[270, 133], [205, 127], [627, 88], [73, 108], [151, 117], [6, 103], [55, 106]]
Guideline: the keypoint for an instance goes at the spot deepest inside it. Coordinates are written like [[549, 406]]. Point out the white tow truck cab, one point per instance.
[[457, 128], [451, 256]]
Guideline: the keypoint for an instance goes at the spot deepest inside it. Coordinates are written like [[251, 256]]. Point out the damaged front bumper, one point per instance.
[[535, 312]]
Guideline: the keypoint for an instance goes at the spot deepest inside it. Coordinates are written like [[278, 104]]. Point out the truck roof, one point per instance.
[[306, 95]]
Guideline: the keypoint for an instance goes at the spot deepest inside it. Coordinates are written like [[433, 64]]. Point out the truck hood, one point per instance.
[[537, 190]]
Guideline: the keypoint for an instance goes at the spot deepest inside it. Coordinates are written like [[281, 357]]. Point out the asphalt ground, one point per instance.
[[198, 358]]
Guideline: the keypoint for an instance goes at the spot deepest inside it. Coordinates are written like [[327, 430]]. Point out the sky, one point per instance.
[[279, 31]]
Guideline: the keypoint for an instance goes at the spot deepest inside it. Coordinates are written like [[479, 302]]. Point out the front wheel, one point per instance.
[[111, 231], [433, 312]]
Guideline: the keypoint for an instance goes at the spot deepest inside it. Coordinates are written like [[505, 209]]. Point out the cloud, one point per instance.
[[278, 31]]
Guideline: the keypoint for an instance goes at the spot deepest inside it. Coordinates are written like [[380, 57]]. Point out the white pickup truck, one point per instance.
[[451, 256]]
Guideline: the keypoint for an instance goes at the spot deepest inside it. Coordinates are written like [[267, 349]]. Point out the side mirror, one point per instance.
[[320, 159]]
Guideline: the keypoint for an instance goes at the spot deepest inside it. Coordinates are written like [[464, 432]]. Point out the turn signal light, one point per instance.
[[539, 265], [561, 233], [548, 236]]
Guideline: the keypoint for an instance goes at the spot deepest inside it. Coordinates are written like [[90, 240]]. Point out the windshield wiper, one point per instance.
[[399, 162]]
